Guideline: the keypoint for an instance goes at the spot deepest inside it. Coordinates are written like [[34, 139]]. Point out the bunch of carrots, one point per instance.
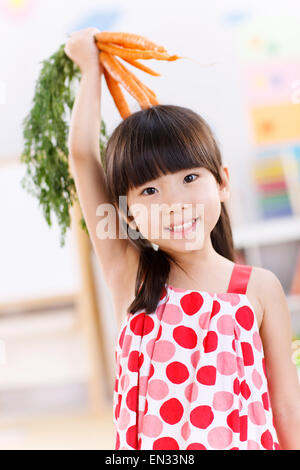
[[130, 48]]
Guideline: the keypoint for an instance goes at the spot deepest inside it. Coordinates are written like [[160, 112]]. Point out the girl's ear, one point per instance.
[[224, 187]]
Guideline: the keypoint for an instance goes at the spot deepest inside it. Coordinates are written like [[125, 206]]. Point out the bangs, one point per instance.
[[156, 141]]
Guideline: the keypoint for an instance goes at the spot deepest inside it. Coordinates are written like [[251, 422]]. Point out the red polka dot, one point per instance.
[[202, 416], [121, 337], [215, 308], [163, 293], [236, 386], [171, 411], [206, 375], [196, 446], [117, 445], [264, 366], [243, 427], [265, 400], [131, 437], [177, 372], [277, 446], [219, 437], [245, 390], [267, 440], [133, 361], [245, 317], [131, 398], [247, 354], [233, 421], [141, 324], [191, 303], [151, 371], [165, 443], [185, 337], [210, 342]]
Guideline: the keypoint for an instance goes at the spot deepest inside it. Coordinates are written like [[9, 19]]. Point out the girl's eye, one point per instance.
[[192, 174], [146, 189]]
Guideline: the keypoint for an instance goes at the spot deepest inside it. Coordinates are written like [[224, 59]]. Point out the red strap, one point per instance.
[[239, 278]]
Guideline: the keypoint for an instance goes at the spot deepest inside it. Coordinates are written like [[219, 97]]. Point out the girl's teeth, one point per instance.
[[179, 228]]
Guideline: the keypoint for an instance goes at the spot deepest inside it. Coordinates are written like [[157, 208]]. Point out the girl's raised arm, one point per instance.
[[84, 155]]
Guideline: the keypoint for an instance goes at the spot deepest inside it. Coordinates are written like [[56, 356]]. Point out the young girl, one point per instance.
[[203, 356]]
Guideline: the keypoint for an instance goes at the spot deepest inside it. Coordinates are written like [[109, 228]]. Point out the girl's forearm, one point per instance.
[[85, 123], [288, 430]]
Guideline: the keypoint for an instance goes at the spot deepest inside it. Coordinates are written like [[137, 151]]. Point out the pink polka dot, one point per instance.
[[185, 337], [225, 325], [124, 419], [124, 382], [256, 413], [186, 431], [240, 366], [143, 381], [256, 379], [152, 426], [252, 445], [158, 389], [229, 297], [257, 341], [126, 345], [226, 363], [219, 437], [163, 351], [172, 315], [204, 320], [191, 392], [222, 401], [195, 357]]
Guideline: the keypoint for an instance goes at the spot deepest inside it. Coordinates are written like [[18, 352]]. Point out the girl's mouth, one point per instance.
[[183, 228]]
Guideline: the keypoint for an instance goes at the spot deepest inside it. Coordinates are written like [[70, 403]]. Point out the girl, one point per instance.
[[203, 356]]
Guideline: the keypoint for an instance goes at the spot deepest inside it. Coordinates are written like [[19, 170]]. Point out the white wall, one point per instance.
[[194, 28]]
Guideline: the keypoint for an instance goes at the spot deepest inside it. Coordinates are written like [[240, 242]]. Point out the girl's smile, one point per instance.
[[187, 227]]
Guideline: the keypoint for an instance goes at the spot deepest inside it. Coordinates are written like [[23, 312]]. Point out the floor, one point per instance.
[[69, 431]]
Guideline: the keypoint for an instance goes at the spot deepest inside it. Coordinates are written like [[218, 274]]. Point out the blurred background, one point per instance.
[[57, 324]]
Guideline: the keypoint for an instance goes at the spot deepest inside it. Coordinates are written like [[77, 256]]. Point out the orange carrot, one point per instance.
[[117, 95], [151, 95], [143, 67], [118, 73], [134, 53], [133, 41]]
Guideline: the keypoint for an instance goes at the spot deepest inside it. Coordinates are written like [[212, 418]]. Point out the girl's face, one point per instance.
[[192, 197]]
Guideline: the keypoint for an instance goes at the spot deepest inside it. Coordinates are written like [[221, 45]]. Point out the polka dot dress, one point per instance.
[[191, 375]]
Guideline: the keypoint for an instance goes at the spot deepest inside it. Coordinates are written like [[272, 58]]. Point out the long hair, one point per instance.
[[159, 140]]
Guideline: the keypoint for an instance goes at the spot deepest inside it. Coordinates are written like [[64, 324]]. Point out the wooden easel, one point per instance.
[[90, 317]]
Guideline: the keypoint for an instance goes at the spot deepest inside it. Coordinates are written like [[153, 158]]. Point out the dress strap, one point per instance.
[[239, 278]]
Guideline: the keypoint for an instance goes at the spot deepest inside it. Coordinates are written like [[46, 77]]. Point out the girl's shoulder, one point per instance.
[[263, 287]]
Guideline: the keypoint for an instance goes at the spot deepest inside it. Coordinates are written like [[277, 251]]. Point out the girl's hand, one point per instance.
[[82, 49]]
